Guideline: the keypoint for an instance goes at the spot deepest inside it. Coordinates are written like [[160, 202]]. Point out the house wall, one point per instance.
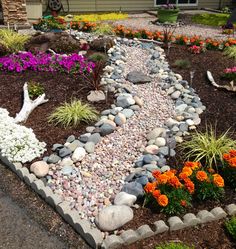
[[14, 12], [125, 5]]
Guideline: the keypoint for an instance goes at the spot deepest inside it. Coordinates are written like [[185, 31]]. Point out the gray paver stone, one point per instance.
[[22, 172], [82, 226], [72, 217], [175, 223], [15, 166], [129, 236], [205, 216], [231, 209], [145, 231], [191, 220], [63, 208], [219, 213], [160, 226], [112, 242], [94, 238], [30, 178]]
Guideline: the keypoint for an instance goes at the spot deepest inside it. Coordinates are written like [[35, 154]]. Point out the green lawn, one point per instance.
[[211, 19]]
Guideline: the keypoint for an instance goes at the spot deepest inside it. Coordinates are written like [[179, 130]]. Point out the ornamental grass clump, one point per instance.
[[207, 147], [72, 114], [168, 192], [18, 143], [104, 29], [230, 52], [231, 227], [207, 184], [229, 168], [13, 41]]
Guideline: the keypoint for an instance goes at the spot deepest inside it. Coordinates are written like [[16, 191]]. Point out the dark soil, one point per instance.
[[220, 113], [58, 88]]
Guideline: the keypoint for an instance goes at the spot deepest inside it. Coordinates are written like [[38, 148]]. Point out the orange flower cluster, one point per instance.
[[230, 158], [167, 177], [179, 39], [218, 180], [83, 26]]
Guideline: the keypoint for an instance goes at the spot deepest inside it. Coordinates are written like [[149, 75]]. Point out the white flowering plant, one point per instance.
[[17, 142]]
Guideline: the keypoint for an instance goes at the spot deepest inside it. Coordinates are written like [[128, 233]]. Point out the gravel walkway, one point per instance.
[[104, 171], [144, 22]]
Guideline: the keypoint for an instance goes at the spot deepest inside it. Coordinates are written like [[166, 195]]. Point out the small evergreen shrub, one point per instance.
[[174, 245], [35, 89], [98, 57], [104, 29], [72, 114], [182, 64]]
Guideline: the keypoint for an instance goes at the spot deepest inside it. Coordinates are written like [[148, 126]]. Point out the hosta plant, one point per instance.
[[207, 147], [207, 184], [229, 168], [168, 192], [72, 114]]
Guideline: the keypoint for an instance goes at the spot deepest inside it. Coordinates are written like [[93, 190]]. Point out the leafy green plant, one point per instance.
[[98, 57], [208, 147], [231, 227], [211, 19], [13, 41], [182, 63], [35, 89], [174, 245], [104, 29], [230, 52], [72, 114]]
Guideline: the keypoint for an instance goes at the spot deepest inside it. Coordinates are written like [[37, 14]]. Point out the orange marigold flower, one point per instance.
[[174, 181], [163, 200], [187, 170], [170, 174], [202, 176], [156, 173], [149, 187], [183, 203], [226, 156], [162, 179], [189, 186], [226, 44], [232, 162], [218, 180], [192, 165], [183, 176], [232, 153], [156, 193]]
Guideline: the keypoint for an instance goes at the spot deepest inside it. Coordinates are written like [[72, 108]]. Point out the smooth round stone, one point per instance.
[[143, 180], [70, 139], [165, 168], [124, 198], [128, 113], [178, 86], [64, 152], [66, 162], [164, 150], [90, 147], [90, 129], [67, 170], [105, 112], [155, 133], [183, 127], [84, 138], [53, 158], [107, 129], [160, 141], [76, 143], [118, 121], [130, 177], [133, 188], [57, 147], [95, 138], [151, 149], [175, 95], [122, 117], [78, 154], [150, 167], [39, 168], [135, 107], [138, 101]]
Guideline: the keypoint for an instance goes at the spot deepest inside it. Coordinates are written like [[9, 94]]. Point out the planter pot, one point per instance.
[[166, 15]]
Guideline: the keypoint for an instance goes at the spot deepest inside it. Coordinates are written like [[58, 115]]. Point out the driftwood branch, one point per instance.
[[229, 87], [28, 105]]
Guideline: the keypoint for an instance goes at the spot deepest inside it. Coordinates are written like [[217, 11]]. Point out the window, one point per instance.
[[178, 2]]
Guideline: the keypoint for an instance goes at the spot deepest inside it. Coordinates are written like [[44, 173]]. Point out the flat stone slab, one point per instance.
[[137, 77]]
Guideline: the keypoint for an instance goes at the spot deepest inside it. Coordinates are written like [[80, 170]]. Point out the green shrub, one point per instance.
[[231, 227], [13, 41], [182, 63], [35, 89], [98, 57], [174, 245], [207, 147], [211, 19], [230, 52], [104, 29], [72, 114]]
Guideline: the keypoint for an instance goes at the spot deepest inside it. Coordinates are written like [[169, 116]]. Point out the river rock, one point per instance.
[[106, 129], [160, 141], [155, 133], [96, 96], [95, 138], [89, 147], [39, 168], [138, 77], [151, 149], [133, 188], [78, 154], [113, 217], [124, 198], [125, 101], [128, 113]]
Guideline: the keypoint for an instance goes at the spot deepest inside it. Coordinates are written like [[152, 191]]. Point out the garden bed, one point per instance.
[[59, 87]]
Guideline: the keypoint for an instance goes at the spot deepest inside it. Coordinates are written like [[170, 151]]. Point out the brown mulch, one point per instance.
[[59, 87], [220, 113]]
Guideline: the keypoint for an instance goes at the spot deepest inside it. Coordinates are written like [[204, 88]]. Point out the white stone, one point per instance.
[[138, 101], [155, 133], [78, 154], [160, 141], [113, 217], [39, 168], [189, 122], [96, 96], [124, 198], [151, 149], [66, 162]]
